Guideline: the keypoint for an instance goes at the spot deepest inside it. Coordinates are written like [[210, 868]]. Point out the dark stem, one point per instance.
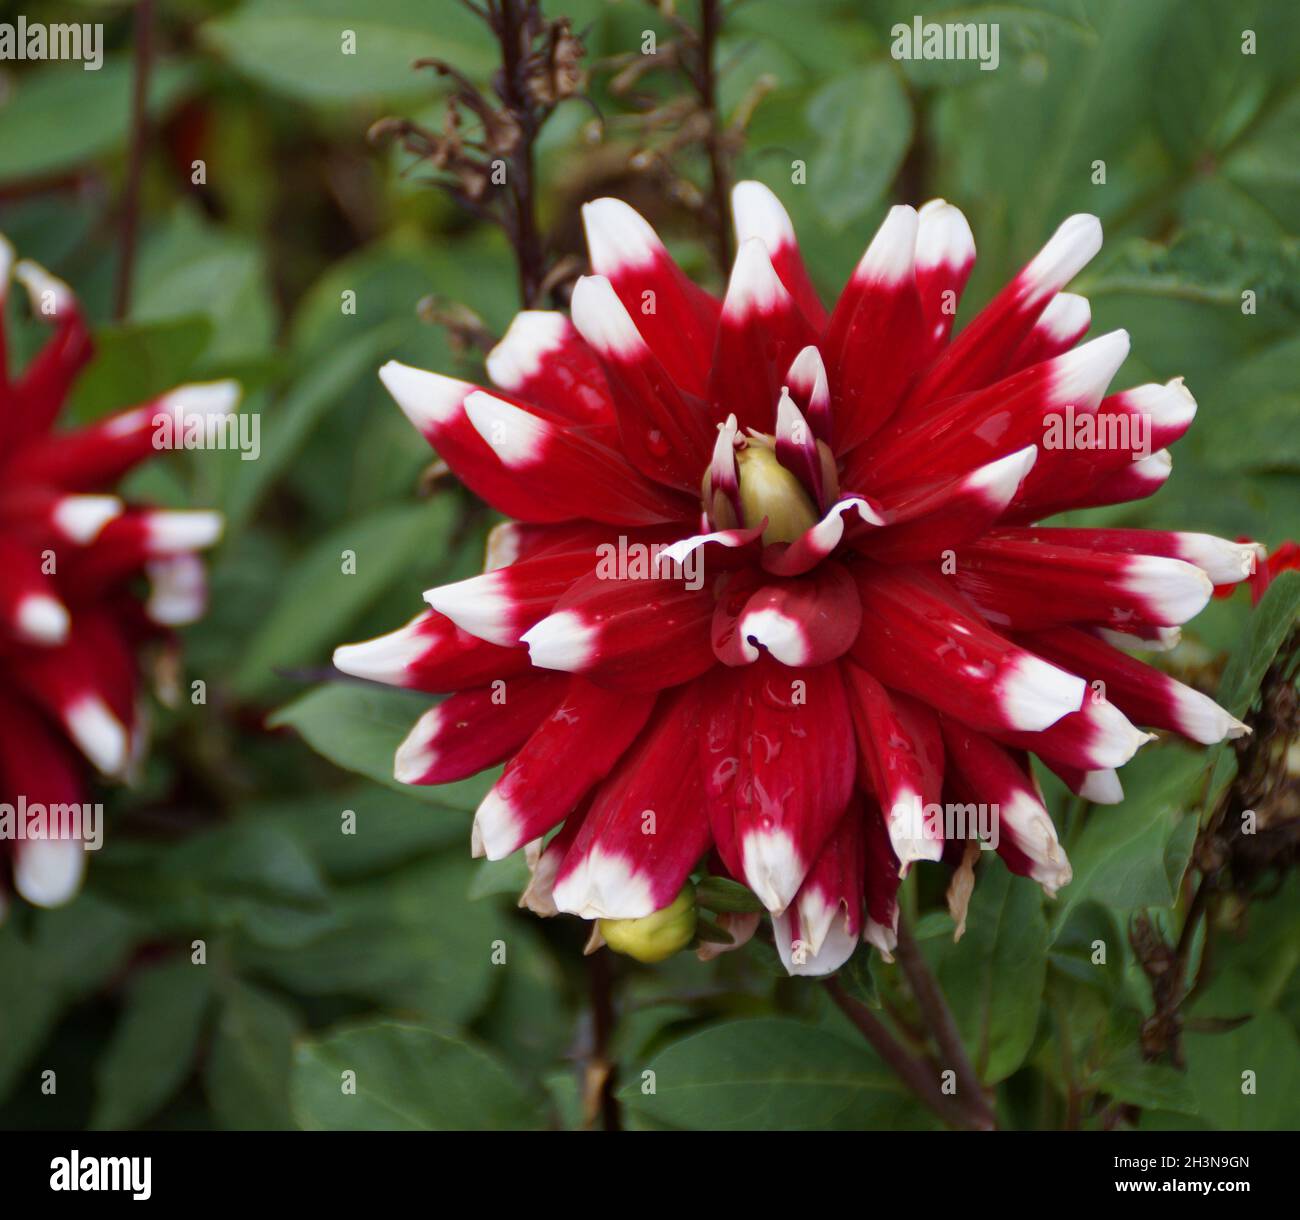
[[938, 1016], [706, 83], [600, 985], [515, 37], [917, 1075], [136, 156]]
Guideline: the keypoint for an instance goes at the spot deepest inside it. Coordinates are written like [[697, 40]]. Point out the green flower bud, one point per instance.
[[768, 489], [655, 936]]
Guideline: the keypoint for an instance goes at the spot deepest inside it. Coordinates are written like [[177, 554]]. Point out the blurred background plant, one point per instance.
[[266, 212]]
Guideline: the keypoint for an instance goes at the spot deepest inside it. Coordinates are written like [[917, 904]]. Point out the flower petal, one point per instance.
[[666, 433], [474, 729], [987, 774], [902, 756], [876, 336], [918, 638], [569, 752], [643, 834], [430, 654], [759, 333], [676, 318], [628, 634], [542, 359], [758, 213], [983, 350], [778, 763]]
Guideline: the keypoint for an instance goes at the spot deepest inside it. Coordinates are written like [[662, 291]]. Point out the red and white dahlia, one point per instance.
[[774, 591], [85, 581]]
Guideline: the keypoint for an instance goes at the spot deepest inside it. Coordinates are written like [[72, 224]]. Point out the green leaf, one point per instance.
[[994, 976], [287, 426], [319, 598], [189, 267], [1153, 1086], [297, 46], [768, 1075], [247, 1072], [152, 1049], [857, 977], [1272, 621], [723, 894], [1266, 1046], [31, 1006], [135, 362], [359, 727], [406, 1079], [60, 116], [245, 876], [1134, 854], [408, 939], [1267, 629], [388, 828], [864, 124]]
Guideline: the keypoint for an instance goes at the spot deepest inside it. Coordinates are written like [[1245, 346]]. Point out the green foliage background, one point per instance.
[[373, 952]]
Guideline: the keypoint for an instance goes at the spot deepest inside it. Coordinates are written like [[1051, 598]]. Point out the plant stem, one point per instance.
[[911, 1071], [514, 37], [938, 1016], [707, 85], [600, 985], [135, 162]]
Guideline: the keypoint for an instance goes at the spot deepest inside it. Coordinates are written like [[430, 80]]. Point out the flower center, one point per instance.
[[768, 489]]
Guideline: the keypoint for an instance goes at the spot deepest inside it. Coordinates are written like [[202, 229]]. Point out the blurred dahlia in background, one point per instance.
[[850, 615], [86, 582]]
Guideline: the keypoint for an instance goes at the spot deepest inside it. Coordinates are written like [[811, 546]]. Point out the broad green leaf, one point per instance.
[[287, 425], [244, 876], [1272, 621], [30, 1008], [190, 267], [1153, 1086], [1134, 854], [61, 116], [359, 831], [359, 727], [152, 1048], [406, 1079], [863, 122], [994, 976], [768, 1075], [138, 361], [1247, 1078], [1267, 629], [299, 47], [322, 594], [246, 1075], [1073, 950], [409, 939]]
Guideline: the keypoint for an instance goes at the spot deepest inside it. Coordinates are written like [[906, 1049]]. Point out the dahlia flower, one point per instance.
[[848, 617], [86, 580]]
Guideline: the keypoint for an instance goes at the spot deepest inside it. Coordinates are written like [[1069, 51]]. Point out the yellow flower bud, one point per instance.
[[768, 489], [655, 936]]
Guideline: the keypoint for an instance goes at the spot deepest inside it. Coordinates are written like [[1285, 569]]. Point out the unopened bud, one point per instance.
[[655, 936], [768, 489]]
